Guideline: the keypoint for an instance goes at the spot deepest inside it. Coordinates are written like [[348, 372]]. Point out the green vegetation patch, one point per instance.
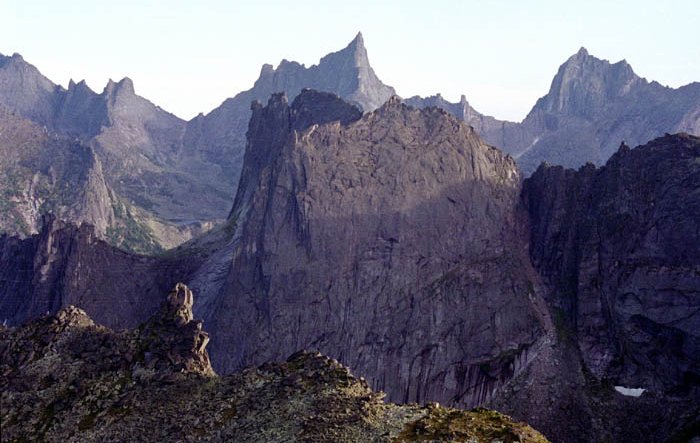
[[478, 425]]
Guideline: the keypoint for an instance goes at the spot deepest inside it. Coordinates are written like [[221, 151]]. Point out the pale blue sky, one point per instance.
[[188, 56]]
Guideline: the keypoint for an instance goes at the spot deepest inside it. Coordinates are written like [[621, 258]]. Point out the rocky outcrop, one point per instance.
[[591, 106], [65, 378], [382, 240]]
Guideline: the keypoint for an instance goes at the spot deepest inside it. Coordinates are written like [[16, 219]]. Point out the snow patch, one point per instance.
[[520, 154], [630, 392]]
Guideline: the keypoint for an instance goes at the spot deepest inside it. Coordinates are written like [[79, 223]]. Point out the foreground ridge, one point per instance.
[[66, 378]]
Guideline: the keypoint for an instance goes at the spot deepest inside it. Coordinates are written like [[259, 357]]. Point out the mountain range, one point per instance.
[[388, 234], [400, 243], [163, 180], [591, 107]]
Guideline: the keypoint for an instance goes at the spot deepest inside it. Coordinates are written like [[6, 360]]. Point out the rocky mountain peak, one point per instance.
[[357, 49], [24, 89], [124, 86], [5, 59], [267, 69], [349, 74], [584, 85], [358, 41], [315, 107], [270, 127], [80, 87], [15, 58], [342, 206]]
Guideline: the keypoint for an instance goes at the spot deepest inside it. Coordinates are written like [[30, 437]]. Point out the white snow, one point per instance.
[[630, 392], [520, 154]]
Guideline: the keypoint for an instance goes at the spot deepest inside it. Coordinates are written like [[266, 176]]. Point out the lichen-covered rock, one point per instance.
[[66, 379]]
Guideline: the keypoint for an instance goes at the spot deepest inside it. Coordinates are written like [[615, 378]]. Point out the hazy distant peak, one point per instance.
[[346, 72], [127, 85], [354, 51], [124, 86], [585, 83], [16, 60], [15, 56], [80, 86], [267, 69], [359, 40], [287, 64]]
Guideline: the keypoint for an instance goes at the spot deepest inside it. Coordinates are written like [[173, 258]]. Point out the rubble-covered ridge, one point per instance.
[[65, 378]]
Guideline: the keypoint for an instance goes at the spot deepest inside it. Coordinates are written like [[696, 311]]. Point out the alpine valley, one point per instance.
[[548, 269]]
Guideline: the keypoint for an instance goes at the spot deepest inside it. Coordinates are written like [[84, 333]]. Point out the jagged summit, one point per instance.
[[584, 85], [358, 40], [346, 72], [15, 57], [357, 51], [125, 85]]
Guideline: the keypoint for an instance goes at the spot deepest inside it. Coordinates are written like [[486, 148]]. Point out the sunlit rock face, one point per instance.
[[591, 106]]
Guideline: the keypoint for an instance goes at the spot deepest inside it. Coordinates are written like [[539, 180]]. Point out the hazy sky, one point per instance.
[[188, 56]]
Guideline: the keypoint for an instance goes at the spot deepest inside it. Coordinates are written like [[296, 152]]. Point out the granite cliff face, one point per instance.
[[619, 249], [591, 106], [65, 378], [391, 241], [620, 245], [48, 173]]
